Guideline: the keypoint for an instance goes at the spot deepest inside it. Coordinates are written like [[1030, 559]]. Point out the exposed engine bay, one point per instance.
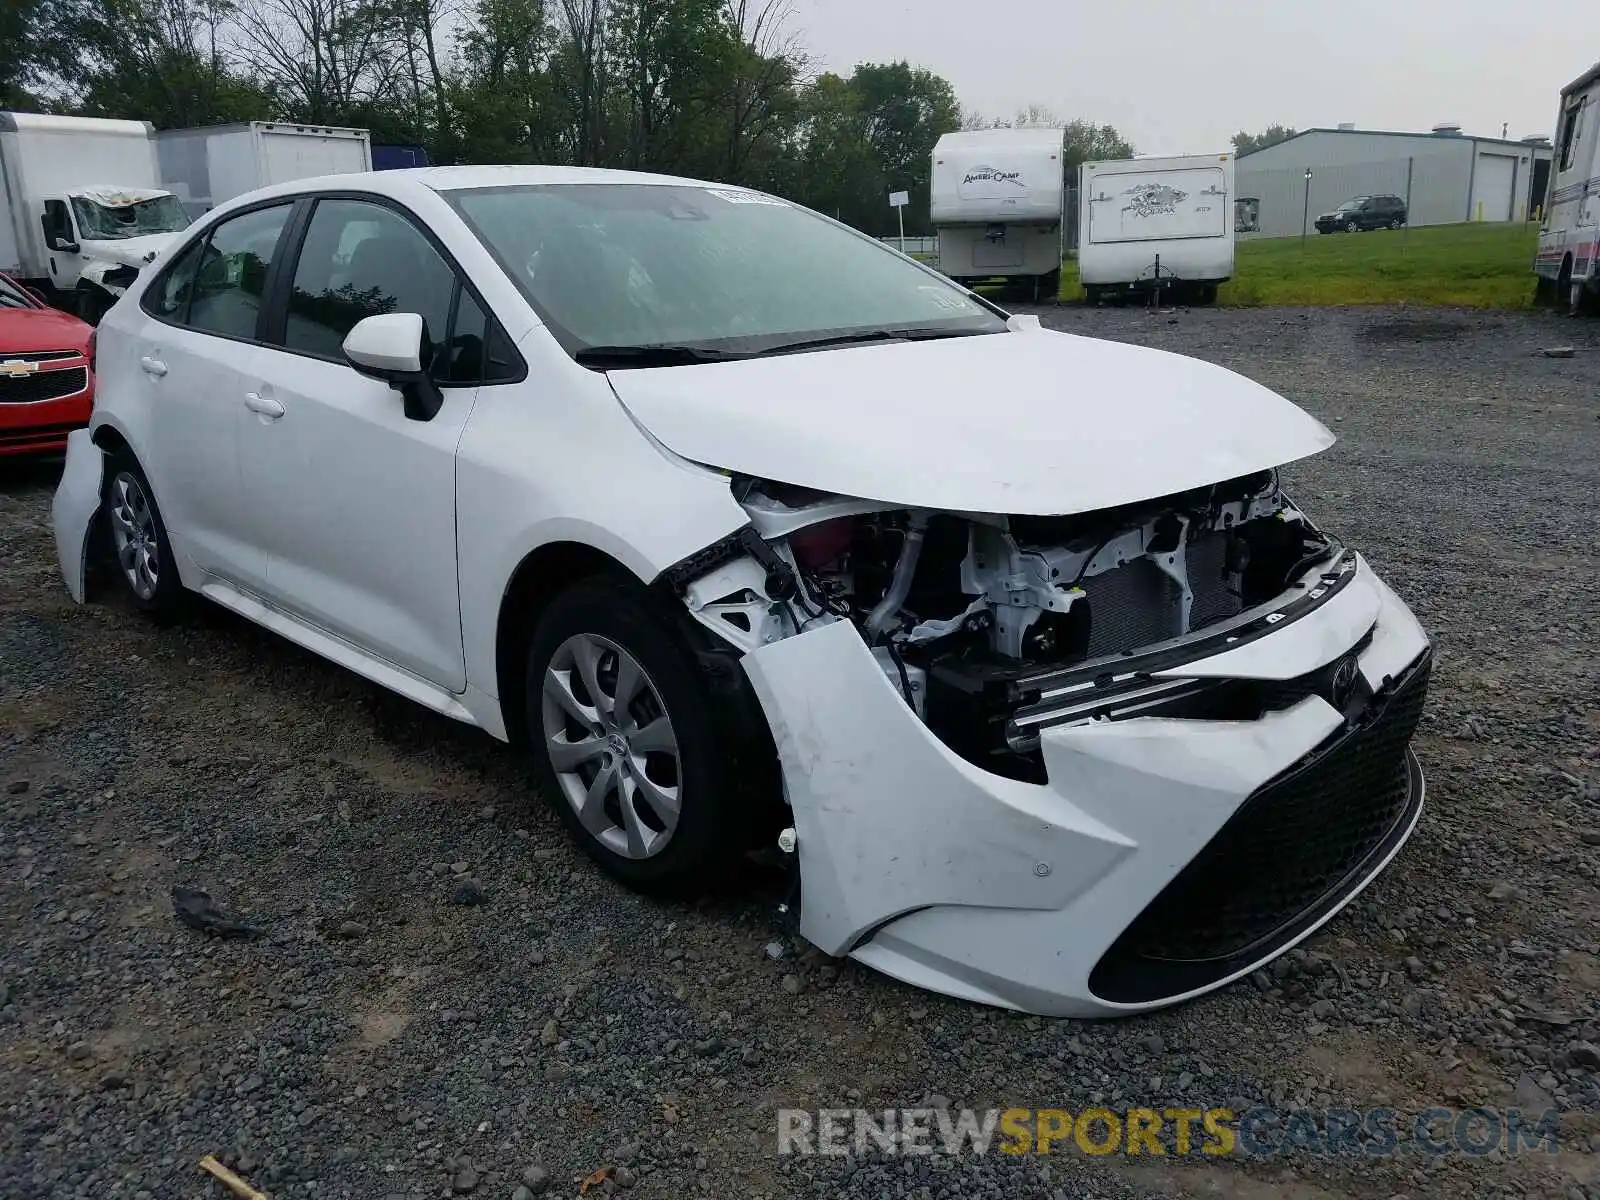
[[992, 626]]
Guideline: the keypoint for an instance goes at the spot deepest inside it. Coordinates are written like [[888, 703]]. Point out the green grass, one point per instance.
[[1472, 265]]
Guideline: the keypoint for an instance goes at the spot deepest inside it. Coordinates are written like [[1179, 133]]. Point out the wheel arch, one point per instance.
[[542, 575]]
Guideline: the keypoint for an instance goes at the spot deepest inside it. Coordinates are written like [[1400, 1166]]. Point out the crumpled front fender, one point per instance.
[[72, 512]]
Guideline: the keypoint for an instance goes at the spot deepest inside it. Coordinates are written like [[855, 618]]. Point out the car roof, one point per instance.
[[408, 182]]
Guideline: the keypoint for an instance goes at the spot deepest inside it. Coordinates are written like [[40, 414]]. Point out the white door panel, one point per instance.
[[196, 386], [360, 506]]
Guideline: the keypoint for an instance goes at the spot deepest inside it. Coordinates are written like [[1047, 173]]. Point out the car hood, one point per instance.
[[1033, 422], [26, 330], [128, 252]]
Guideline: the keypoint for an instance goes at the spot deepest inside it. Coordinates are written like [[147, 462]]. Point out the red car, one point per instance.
[[46, 376]]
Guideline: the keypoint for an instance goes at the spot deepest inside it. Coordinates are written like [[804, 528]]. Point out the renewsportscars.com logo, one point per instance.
[[1255, 1133]]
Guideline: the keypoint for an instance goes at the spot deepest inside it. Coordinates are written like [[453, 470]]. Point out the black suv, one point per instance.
[[1364, 212]]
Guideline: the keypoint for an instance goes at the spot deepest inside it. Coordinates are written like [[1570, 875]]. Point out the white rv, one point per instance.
[[1568, 261], [997, 206], [1148, 224], [210, 165], [81, 207]]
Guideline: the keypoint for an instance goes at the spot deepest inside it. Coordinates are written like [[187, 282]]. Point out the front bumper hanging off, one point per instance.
[[1163, 858]]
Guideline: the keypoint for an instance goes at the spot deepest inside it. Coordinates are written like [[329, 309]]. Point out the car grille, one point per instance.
[[43, 385], [1290, 853], [39, 355]]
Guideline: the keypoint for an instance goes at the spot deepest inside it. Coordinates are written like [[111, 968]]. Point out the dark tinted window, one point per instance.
[[359, 260], [477, 350], [168, 296], [228, 288]]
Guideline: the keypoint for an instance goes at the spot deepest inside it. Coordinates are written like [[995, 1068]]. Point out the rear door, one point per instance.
[[198, 357], [362, 498]]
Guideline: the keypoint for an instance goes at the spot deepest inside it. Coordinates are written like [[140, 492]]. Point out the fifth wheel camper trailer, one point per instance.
[[1568, 261], [996, 205], [1163, 225]]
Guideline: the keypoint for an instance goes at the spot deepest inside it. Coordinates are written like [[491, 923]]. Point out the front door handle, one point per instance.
[[264, 406], [153, 366]]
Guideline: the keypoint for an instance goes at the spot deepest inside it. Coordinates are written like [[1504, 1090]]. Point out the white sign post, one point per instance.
[[898, 202]]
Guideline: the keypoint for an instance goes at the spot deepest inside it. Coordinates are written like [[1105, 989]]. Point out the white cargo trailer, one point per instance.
[[81, 207], [997, 206], [1156, 224], [211, 165], [1568, 260]]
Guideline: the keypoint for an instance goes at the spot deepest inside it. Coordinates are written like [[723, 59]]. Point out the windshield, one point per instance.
[[161, 214], [730, 272], [1352, 205], [12, 296]]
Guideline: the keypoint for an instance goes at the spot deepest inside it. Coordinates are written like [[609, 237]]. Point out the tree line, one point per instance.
[[716, 89]]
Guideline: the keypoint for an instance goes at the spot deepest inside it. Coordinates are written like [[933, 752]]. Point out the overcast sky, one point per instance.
[[1177, 77]]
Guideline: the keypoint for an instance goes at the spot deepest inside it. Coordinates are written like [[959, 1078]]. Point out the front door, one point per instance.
[[362, 499]]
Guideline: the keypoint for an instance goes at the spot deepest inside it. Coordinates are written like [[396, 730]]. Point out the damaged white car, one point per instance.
[[759, 534]]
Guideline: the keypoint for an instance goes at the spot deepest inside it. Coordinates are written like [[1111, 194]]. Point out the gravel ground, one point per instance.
[[383, 1040]]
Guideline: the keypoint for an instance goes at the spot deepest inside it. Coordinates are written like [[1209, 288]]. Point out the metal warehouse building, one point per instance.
[[1445, 176]]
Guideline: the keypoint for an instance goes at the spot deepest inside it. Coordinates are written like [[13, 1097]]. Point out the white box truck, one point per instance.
[[1162, 225], [1568, 260], [211, 165], [996, 202], [81, 207]]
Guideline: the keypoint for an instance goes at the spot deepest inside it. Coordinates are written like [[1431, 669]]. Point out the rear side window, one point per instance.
[[228, 287], [168, 297], [359, 260]]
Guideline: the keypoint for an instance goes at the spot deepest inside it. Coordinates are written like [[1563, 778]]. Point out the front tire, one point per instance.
[[1351, 227], [137, 536], [628, 745]]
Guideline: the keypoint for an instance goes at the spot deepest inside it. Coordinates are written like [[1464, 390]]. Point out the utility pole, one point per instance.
[[1305, 211]]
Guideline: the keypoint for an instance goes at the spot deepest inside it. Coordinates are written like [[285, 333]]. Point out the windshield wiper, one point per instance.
[[869, 335], [660, 355]]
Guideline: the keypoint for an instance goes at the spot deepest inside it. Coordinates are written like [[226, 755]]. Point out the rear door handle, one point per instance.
[[264, 406], [153, 366]]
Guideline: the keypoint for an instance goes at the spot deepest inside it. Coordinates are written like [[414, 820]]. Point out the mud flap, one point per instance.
[[72, 512]]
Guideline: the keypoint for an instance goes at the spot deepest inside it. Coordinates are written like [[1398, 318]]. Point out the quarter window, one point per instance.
[[228, 288], [477, 350], [360, 260]]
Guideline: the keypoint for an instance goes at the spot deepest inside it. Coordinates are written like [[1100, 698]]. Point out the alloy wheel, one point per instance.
[[611, 745], [133, 535]]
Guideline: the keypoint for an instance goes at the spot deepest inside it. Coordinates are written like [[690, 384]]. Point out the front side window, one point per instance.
[[101, 220], [1571, 132], [232, 277], [699, 268], [359, 260]]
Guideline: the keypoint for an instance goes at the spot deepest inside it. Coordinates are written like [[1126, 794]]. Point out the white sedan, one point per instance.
[[756, 533]]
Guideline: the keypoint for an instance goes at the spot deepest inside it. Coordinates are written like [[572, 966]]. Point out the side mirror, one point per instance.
[[395, 348], [64, 245]]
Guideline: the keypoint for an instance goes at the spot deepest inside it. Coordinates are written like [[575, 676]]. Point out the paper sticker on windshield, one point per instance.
[[747, 197]]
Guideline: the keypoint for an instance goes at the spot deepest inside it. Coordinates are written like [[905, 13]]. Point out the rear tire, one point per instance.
[[659, 788], [1564, 288], [137, 538]]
